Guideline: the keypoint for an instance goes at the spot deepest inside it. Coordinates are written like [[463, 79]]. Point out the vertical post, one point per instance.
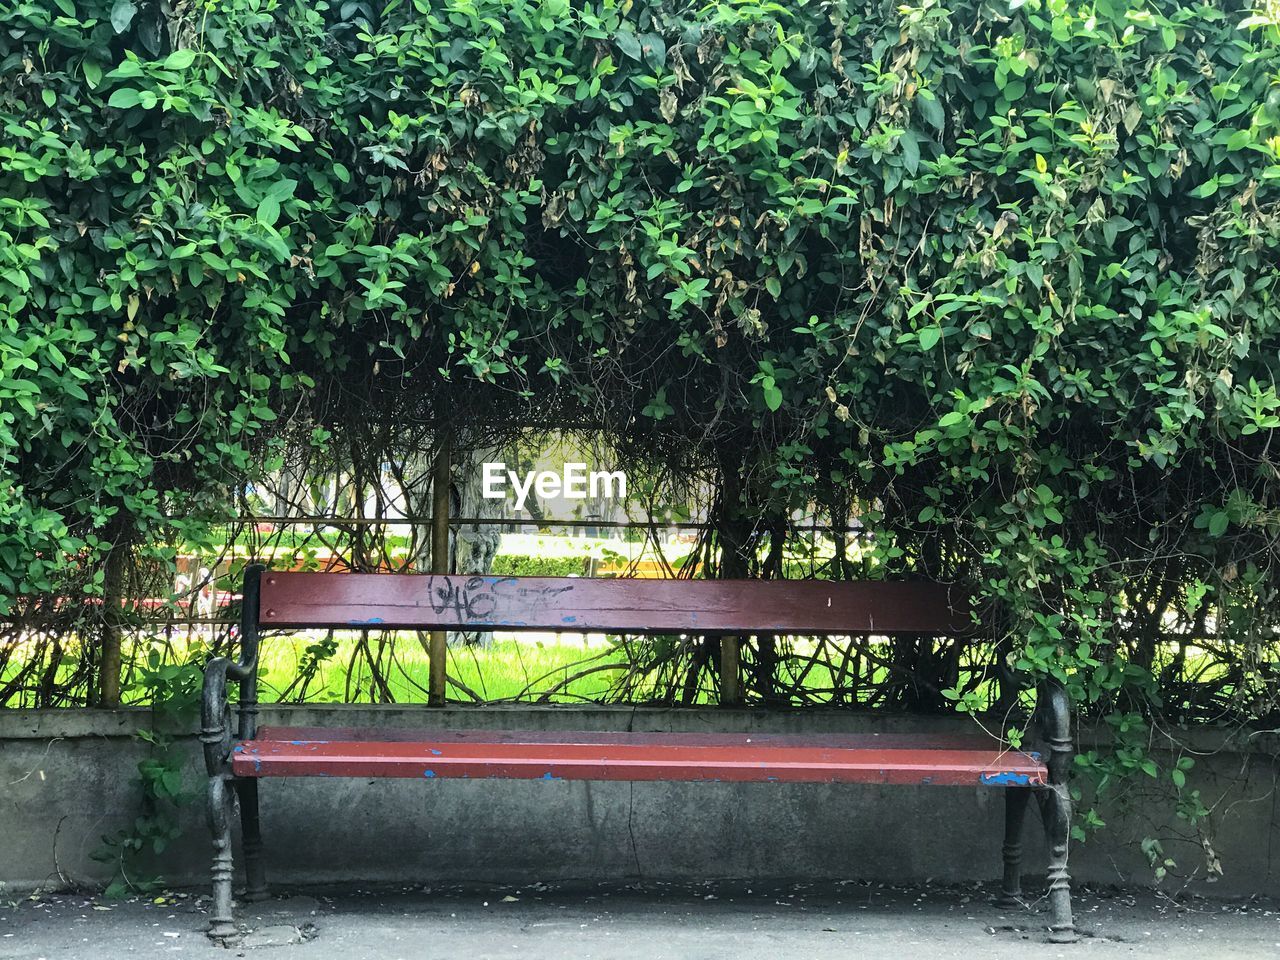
[[732, 538], [439, 565], [247, 669], [112, 615], [730, 647]]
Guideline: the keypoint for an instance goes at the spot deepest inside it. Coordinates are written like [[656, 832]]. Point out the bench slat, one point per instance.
[[592, 756], [303, 600], [881, 741]]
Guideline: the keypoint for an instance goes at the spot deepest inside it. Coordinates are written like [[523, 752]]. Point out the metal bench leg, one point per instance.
[[1055, 810], [1015, 815], [251, 833], [221, 923]]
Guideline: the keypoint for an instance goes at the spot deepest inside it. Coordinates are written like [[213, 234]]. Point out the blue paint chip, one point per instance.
[[357, 623], [1006, 779], [548, 776], [568, 619], [428, 774], [435, 753]]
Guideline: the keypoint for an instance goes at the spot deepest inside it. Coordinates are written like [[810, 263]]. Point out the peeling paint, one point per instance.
[[1006, 779]]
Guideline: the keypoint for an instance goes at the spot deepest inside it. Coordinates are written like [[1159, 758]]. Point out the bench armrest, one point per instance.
[[1050, 720], [215, 710], [1053, 718]]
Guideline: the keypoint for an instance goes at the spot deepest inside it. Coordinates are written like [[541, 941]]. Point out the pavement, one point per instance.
[[641, 921]]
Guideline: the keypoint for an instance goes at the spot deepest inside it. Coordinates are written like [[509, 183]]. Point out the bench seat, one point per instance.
[[593, 755]]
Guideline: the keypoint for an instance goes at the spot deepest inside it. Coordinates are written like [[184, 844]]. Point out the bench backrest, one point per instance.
[[418, 601]]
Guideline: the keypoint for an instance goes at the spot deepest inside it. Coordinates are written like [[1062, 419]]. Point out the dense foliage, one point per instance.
[[997, 278]]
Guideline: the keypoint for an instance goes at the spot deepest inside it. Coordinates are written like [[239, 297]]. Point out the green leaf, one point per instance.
[[92, 72], [654, 50], [122, 13], [929, 337], [1218, 523], [268, 211], [282, 190], [1206, 189], [629, 44], [931, 110], [124, 98], [772, 395], [179, 59], [910, 151]]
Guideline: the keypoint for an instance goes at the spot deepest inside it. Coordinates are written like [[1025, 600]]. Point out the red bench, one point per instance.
[[238, 758]]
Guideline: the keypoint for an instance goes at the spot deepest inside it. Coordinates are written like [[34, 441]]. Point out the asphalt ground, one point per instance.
[[641, 921]]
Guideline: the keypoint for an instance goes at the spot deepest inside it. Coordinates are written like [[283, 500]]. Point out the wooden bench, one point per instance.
[[237, 758]]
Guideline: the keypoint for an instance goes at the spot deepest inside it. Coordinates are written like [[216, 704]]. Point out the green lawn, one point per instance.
[[505, 669]]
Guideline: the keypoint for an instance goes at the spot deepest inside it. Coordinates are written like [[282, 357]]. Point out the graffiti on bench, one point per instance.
[[476, 600]]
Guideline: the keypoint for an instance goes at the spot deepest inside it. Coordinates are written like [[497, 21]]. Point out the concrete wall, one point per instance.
[[67, 777]]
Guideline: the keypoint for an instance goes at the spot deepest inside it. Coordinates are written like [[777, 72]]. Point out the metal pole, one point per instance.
[[439, 565], [110, 662], [730, 648]]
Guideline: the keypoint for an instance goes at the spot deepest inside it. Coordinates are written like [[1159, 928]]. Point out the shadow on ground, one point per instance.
[[641, 921]]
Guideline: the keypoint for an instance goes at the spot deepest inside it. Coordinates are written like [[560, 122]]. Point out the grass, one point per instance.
[[505, 669]]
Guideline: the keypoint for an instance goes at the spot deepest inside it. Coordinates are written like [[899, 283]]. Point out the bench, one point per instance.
[[238, 757]]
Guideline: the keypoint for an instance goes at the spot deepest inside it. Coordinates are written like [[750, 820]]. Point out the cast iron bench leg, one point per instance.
[[221, 923], [1015, 815], [251, 833], [1054, 800], [1055, 810]]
